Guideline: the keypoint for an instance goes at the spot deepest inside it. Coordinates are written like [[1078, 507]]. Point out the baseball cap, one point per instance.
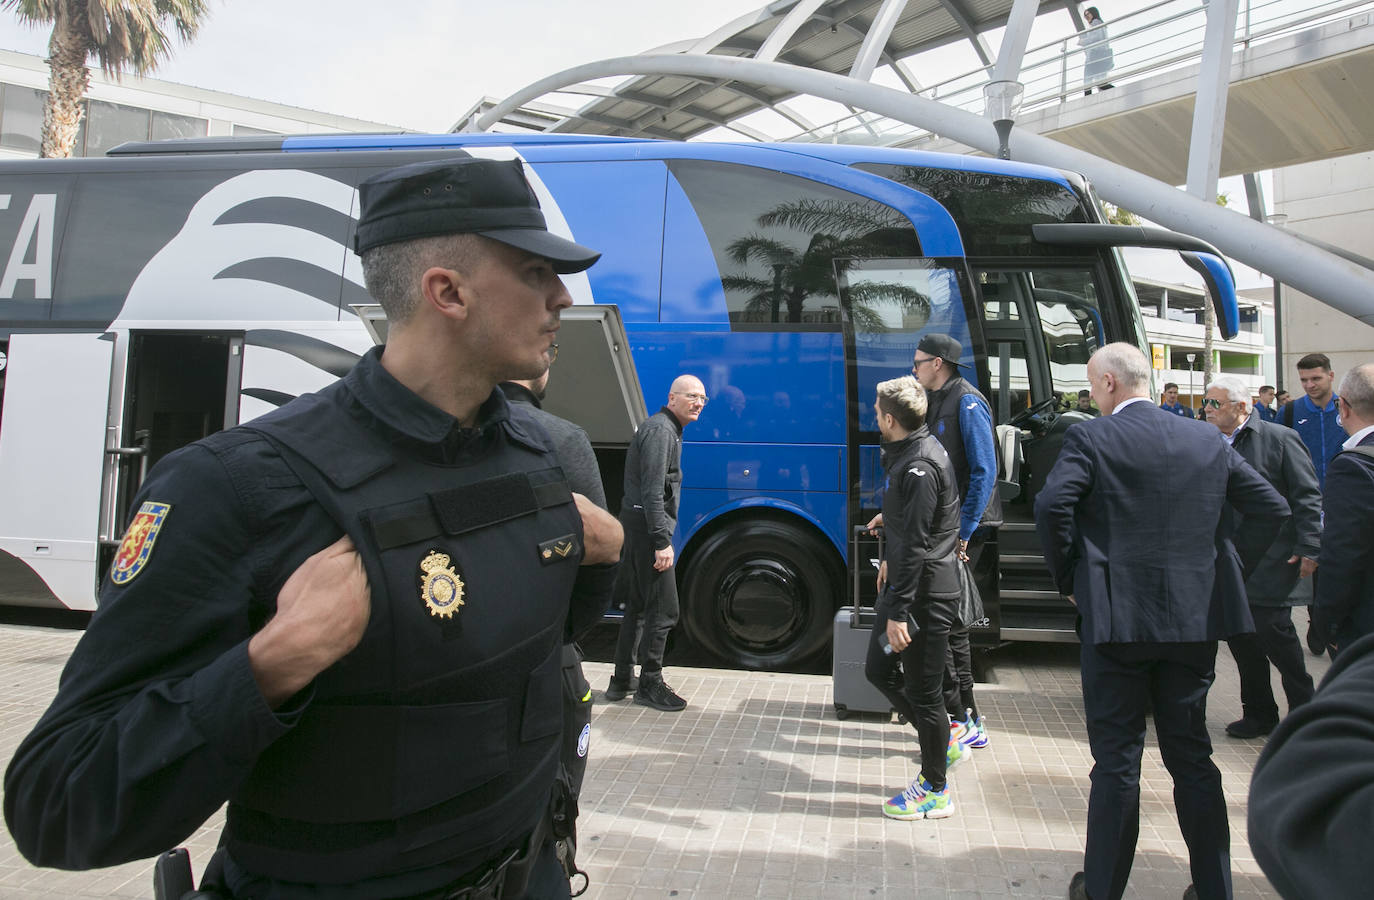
[[462, 196], [941, 345]]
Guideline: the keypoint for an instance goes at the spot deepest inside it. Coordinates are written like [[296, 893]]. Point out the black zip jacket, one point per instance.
[[921, 520]]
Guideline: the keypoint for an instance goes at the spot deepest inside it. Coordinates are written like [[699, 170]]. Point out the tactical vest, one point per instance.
[[943, 420], [436, 740]]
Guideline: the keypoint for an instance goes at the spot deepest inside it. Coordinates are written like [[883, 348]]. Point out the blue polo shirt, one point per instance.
[[1319, 430], [1177, 409], [1266, 414]]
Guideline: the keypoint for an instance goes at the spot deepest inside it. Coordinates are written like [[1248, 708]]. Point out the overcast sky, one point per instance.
[[414, 63]]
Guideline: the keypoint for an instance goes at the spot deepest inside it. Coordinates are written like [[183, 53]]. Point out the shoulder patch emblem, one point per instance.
[[137, 545], [440, 585], [915, 471]]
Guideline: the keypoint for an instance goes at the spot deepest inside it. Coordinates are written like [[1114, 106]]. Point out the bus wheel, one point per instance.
[[761, 594]]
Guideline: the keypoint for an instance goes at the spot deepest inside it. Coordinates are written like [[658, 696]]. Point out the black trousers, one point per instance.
[[959, 658], [1274, 640], [577, 716], [912, 680], [1119, 682], [651, 605]]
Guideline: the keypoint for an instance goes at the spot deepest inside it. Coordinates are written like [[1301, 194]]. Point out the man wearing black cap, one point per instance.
[[960, 418], [345, 618]]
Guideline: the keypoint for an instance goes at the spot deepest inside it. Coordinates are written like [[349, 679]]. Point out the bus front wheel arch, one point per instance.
[[761, 593]]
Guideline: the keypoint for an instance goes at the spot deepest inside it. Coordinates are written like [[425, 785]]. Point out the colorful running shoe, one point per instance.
[[955, 753], [980, 740], [920, 801]]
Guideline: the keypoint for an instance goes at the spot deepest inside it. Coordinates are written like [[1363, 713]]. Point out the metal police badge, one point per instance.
[[137, 545], [440, 585]]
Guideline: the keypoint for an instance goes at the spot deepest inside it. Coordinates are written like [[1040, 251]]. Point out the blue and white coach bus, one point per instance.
[[168, 290]]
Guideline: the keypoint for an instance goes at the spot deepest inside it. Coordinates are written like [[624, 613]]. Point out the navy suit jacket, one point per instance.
[[1345, 587], [1131, 522]]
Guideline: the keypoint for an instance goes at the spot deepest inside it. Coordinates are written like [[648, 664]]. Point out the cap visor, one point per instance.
[[567, 257]]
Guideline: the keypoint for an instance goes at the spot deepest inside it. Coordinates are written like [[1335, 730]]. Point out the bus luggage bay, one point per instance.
[[172, 289]]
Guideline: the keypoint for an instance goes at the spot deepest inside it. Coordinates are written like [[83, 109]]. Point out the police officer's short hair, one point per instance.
[[1357, 390], [391, 272], [904, 400], [1236, 390]]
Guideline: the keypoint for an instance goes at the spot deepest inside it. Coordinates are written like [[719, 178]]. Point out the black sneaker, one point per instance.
[[1248, 728], [657, 694], [619, 688]]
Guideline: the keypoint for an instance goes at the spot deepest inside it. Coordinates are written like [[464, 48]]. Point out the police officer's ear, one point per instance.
[[446, 292]]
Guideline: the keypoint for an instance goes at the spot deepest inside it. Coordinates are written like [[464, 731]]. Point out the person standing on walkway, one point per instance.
[[1097, 53], [647, 579], [1150, 565], [918, 583], [1314, 416], [1280, 458], [1168, 401], [1263, 406], [334, 616], [589, 601], [1344, 608], [960, 418]]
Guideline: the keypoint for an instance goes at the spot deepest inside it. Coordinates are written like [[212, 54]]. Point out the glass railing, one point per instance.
[[1145, 44]]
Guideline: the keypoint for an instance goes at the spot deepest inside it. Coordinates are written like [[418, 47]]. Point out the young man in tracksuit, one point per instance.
[[919, 589]]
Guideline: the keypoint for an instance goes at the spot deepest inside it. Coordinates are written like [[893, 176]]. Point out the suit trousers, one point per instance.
[[1120, 681], [651, 604], [1273, 640], [912, 681]]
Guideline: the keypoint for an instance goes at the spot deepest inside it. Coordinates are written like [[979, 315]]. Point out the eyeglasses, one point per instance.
[[1214, 404], [694, 398], [916, 363]]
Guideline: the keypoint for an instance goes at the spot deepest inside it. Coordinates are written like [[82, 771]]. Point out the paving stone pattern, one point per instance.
[[757, 790]]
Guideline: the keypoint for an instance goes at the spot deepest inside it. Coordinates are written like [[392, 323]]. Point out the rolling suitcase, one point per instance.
[[853, 626]]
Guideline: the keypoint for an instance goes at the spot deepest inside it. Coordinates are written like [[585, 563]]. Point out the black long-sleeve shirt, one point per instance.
[[653, 474], [921, 522]]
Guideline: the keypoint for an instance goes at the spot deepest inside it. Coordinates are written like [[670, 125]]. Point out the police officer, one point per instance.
[[346, 618]]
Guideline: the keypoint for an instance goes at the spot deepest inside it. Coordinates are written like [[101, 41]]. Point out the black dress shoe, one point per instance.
[[1190, 893], [1249, 728], [1078, 887], [618, 688]]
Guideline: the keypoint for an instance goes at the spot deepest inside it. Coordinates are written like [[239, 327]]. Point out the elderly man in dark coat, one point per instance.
[[1278, 454]]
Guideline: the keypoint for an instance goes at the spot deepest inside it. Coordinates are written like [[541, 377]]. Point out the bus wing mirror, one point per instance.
[[1221, 287], [1197, 253]]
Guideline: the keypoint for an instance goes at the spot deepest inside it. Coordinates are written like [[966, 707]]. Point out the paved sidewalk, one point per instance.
[[757, 790]]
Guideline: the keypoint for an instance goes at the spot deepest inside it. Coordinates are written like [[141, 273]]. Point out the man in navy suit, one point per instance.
[[1344, 609], [1150, 615]]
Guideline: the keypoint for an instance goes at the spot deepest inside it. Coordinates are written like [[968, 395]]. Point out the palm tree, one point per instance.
[[841, 232], [120, 34]]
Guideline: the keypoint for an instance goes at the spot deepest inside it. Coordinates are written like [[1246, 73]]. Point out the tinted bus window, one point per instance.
[[775, 238], [994, 212]]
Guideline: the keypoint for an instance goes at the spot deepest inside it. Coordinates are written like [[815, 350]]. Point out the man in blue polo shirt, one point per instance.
[[1314, 416], [1168, 401], [1262, 406]]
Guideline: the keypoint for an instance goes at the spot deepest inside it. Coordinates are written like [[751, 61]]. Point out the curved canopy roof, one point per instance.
[[843, 37]]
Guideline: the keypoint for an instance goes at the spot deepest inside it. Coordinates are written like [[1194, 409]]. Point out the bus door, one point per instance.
[[52, 438], [172, 389], [886, 305], [1040, 322]]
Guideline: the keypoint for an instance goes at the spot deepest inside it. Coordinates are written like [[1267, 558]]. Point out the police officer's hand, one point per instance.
[[322, 610], [663, 559], [1307, 567], [602, 534]]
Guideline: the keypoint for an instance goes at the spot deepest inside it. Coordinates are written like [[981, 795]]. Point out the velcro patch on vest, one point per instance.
[[559, 549]]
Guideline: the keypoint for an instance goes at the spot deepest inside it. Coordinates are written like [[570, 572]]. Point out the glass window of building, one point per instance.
[[109, 124], [167, 126], [250, 131], [21, 121]]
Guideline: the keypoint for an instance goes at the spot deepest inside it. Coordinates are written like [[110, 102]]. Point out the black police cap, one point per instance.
[[941, 345], [462, 196]]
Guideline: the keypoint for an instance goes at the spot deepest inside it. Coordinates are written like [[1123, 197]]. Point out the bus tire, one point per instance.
[[761, 593]]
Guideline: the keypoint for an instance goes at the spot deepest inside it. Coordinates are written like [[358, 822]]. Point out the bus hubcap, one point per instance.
[[763, 605]]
